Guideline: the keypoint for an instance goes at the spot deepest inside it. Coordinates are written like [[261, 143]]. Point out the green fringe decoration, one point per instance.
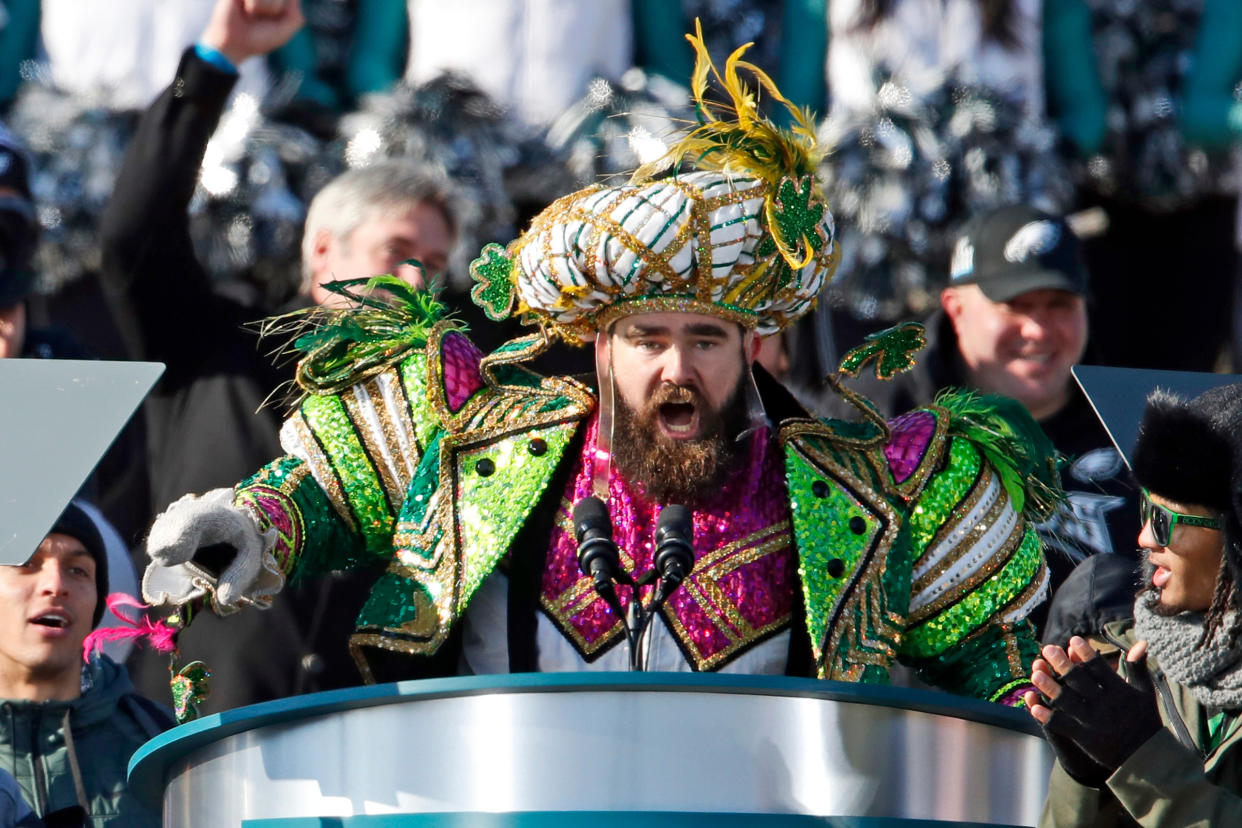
[[1015, 445], [339, 347]]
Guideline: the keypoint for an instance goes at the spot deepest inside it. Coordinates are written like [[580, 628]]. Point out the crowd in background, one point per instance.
[[935, 111], [1122, 117]]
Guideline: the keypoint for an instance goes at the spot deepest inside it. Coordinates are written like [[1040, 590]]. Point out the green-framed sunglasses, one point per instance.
[[1163, 519]]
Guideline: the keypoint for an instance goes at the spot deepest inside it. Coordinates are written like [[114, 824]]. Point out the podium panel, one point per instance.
[[666, 749]]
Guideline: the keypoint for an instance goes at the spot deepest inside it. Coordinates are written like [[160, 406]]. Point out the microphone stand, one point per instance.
[[599, 557]]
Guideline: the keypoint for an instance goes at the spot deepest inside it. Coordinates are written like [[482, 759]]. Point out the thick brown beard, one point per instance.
[[677, 471]]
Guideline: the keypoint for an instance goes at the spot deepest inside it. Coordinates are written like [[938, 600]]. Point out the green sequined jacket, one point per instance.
[[909, 544]]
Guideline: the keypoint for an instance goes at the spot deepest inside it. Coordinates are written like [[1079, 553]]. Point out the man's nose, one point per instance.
[[1034, 326], [1147, 538], [52, 578], [678, 367]]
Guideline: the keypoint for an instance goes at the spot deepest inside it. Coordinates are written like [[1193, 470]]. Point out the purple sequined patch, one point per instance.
[[460, 359], [912, 434], [744, 576]]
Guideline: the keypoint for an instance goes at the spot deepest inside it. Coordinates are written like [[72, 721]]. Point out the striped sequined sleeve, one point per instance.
[[351, 456], [978, 570]]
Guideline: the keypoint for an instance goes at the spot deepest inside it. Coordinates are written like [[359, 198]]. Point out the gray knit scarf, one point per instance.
[[1212, 673]]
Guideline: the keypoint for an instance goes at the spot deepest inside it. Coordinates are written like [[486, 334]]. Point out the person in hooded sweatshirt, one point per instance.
[[68, 728]]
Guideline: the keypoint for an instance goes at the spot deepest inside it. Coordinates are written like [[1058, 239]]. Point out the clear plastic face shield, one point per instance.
[[756, 417]]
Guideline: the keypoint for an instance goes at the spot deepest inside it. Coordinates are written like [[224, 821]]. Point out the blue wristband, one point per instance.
[[215, 58]]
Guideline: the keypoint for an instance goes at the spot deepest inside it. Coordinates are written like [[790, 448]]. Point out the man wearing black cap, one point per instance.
[[68, 730], [1160, 746], [1013, 321]]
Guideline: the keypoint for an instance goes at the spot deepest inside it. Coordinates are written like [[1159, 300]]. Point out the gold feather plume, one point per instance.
[[734, 138]]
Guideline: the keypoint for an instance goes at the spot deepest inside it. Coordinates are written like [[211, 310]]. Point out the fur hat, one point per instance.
[[1190, 451]]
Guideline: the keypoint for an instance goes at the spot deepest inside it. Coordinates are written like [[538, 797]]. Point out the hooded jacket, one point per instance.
[[66, 753]]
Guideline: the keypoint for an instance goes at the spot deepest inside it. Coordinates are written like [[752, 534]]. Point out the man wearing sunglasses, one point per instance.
[[1156, 744]]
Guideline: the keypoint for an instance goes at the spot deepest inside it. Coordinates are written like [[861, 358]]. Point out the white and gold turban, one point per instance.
[[746, 236]]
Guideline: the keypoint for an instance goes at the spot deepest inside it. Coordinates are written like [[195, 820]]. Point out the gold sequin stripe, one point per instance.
[[338, 436], [652, 261], [874, 561], [379, 446], [937, 634], [703, 583], [1032, 596], [982, 519], [413, 387], [702, 241], [642, 198], [411, 539], [990, 554], [886, 625], [577, 597], [691, 209], [394, 415], [755, 281], [673, 304], [703, 587], [857, 649], [298, 438], [860, 605], [962, 518]]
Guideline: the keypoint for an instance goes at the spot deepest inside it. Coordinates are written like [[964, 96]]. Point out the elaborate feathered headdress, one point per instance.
[[747, 236]]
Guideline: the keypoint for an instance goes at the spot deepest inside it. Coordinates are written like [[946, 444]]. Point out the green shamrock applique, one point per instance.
[[190, 687], [493, 271], [798, 215], [892, 349]]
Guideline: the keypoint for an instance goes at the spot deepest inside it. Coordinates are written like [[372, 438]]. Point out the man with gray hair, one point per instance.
[[373, 220], [205, 424]]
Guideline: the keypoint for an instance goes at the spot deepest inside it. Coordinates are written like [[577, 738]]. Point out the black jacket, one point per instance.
[[204, 422]]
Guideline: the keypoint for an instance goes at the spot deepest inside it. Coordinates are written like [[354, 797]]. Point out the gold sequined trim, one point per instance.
[[703, 585], [325, 475], [985, 481], [379, 443]]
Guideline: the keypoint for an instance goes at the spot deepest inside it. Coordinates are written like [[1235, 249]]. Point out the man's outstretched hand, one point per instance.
[[241, 29], [1093, 718]]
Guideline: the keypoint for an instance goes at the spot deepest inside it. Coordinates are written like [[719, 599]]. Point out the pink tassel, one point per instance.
[[159, 635]]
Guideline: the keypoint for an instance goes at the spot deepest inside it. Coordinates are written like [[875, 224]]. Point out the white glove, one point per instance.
[[191, 523]]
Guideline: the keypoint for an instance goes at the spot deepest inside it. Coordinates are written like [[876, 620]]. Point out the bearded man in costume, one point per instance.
[[821, 548]]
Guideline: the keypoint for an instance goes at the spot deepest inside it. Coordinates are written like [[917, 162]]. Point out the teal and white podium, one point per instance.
[[633, 749]]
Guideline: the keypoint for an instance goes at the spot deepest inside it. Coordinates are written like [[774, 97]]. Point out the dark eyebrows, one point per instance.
[[640, 331], [707, 329]]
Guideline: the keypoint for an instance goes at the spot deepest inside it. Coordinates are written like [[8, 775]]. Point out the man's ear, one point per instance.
[[750, 346], [321, 253], [951, 304]]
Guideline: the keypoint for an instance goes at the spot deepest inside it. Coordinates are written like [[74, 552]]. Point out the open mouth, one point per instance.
[[51, 619], [679, 418]]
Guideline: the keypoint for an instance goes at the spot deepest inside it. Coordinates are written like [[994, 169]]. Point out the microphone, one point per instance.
[[674, 556], [597, 554]]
